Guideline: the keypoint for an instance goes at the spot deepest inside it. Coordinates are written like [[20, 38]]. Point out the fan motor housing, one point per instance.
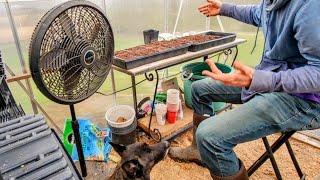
[[88, 56]]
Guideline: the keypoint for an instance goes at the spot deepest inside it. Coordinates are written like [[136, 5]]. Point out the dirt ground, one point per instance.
[[307, 156]]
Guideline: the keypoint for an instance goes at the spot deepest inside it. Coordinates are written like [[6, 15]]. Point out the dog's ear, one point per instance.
[[118, 148]]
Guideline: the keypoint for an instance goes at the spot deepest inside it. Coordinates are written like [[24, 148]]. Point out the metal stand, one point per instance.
[[151, 72], [154, 134], [77, 138], [284, 138]]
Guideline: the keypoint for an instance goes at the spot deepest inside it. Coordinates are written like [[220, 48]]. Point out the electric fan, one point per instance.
[[71, 53]]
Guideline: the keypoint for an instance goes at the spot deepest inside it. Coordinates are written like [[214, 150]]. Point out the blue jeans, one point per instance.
[[263, 115]]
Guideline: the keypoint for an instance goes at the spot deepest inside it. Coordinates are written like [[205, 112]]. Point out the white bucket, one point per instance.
[[123, 111]]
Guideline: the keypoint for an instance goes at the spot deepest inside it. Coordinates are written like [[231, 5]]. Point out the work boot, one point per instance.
[[191, 153], [241, 174]]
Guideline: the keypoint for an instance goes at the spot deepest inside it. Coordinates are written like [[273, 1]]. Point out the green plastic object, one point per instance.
[[161, 97], [67, 136], [194, 70]]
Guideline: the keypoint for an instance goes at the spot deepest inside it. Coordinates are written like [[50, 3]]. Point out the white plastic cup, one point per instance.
[[180, 116], [173, 96], [161, 111], [173, 107]]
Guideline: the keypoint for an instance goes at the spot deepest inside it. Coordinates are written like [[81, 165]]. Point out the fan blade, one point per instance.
[[70, 75], [68, 26], [95, 32], [56, 58], [99, 69]]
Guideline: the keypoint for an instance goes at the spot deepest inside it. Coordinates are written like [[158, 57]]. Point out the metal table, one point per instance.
[[151, 73]]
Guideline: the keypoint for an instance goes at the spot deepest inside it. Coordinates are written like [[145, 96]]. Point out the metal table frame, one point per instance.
[[150, 71]]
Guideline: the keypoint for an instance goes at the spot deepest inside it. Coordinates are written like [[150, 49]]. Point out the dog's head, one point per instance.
[[138, 159]]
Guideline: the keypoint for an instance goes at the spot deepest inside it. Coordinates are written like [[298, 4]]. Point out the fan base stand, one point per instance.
[[77, 138]]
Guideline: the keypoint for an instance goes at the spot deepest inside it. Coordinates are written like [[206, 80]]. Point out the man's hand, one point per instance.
[[242, 76], [212, 8]]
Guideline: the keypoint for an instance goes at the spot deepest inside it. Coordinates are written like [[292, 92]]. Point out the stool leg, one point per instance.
[[275, 146], [272, 159], [294, 160]]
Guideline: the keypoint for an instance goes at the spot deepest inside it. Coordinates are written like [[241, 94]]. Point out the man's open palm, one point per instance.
[[242, 76], [212, 8]]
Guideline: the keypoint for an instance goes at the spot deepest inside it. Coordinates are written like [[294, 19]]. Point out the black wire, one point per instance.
[[124, 89], [255, 41], [218, 54], [258, 29]]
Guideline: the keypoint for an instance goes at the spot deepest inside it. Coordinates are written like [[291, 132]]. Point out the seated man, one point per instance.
[[281, 94]]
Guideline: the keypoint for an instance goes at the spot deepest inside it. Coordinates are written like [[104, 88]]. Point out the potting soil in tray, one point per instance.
[[144, 54], [158, 50], [207, 40]]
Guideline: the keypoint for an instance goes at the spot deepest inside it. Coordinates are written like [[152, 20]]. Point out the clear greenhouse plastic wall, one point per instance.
[[128, 19]]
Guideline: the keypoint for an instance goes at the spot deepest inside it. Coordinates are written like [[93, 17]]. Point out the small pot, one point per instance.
[[150, 35]]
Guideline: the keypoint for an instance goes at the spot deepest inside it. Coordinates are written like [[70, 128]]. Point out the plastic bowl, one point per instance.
[[124, 111]]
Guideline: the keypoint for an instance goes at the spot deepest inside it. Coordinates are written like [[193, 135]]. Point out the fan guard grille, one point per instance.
[[75, 53]]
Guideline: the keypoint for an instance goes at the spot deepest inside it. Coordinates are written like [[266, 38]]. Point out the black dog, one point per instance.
[[138, 159]]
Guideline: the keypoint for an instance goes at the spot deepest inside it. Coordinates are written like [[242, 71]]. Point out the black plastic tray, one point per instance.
[[143, 60], [29, 149], [225, 38]]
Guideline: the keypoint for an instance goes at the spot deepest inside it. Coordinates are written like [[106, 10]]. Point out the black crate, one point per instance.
[[2, 72], [9, 109], [29, 149], [140, 61], [224, 38]]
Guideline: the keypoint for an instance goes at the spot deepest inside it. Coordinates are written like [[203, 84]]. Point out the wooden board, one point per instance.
[[18, 78], [307, 139], [168, 129]]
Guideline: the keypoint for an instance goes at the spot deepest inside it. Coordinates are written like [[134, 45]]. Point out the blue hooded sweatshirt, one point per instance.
[[291, 59]]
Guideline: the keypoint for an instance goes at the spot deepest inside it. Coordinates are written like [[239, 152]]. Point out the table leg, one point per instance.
[[113, 86], [235, 56], [134, 92], [155, 133]]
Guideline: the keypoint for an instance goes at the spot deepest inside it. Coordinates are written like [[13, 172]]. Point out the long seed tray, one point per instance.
[[29, 149], [209, 39], [127, 59]]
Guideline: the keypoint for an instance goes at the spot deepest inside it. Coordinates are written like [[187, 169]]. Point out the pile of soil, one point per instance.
[[121, 120], [149, 49]]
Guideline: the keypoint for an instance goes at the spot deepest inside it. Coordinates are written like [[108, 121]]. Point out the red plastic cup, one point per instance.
[[173, 107], [172, 117]]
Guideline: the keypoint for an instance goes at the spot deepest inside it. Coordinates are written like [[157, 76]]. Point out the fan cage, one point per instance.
[[59, 62]]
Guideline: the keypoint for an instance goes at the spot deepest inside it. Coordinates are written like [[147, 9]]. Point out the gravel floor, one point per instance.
[[308, 157]]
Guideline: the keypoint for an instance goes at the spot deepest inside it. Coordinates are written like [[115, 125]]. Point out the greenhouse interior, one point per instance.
[[159, 89]]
